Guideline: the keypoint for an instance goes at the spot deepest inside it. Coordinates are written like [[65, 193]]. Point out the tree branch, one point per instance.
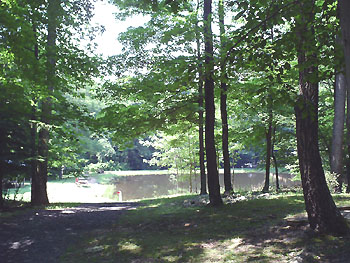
[[255, 27]]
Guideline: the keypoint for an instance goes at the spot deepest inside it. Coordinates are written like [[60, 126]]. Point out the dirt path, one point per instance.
[[42, 236]]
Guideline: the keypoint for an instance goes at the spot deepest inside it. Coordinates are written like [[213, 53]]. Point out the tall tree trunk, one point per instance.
[[200, 112], [347, 160], [34, 154], [275, 159], [191, 162], [34, 169], [347, 139], [343, 8], [268, 151], [323, 214], [223, 99], [39, 183], [233, 169], [1, 185], [338, 128], [213, 175]]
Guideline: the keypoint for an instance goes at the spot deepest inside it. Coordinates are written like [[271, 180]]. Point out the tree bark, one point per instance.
[[203, 175], [34, 169], [268, 149], [323, 214], [213, 175], [34, 154], [275, 159], [347, 160], [343, 9], [39, 183], [1, 185], [347, 146], [223, 103], [338, 128]]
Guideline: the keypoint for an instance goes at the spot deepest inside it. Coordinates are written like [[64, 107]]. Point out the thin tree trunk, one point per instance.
[[343, 8], [34, 154], [233, 169], [33, 130], [323, 214], [200, 113], [223, 99], [347, 146], [268, 150], [275, 159], [213, 175], [347, 160], [191, 163], [1, 185], [338, 128]]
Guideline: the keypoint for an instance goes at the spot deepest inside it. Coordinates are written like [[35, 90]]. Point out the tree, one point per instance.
[[343, 9], [322, 213], [223, 99], [213, 176], [39, 190], [336, 161], [14, 95], [275, 163], [29, 35], [269, 146], [201, 108]]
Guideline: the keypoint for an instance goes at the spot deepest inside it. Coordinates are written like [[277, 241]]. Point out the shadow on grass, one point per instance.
[[42, 234], [163, 230]]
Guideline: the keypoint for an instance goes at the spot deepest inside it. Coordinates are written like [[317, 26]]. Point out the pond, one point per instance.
[[155, 185]]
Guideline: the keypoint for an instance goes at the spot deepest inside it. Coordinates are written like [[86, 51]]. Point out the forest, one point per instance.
[[199, 85]]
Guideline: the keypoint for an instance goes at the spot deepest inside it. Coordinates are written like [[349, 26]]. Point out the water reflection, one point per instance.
[[148, 186]]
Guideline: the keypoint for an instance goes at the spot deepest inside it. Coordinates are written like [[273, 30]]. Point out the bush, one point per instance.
[[332, 181], [101, 167]]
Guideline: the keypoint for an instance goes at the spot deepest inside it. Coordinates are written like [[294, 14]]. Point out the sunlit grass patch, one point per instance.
[[129, 247], [167, 231]]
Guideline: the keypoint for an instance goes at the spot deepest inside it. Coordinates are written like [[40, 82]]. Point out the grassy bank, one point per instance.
[[180, 229]]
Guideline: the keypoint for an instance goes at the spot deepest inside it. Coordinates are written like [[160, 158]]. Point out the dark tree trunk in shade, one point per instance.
[[203, 175], [268, 152], [336, 157], [39, 183], [223, 99], [347, 145], [33, 133], [275, 163], [213, 175], [322, 212], [347, 139], [1, 185], [344, 9], [34, 169], [338, 128]]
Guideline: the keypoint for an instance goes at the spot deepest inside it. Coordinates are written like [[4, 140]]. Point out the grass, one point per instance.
[[17, 208], [164, 230]]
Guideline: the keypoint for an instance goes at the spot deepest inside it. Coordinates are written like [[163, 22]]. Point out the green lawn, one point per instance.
[[164, 230]]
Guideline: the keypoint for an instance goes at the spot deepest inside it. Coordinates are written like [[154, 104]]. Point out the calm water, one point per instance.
[[148, 186]]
